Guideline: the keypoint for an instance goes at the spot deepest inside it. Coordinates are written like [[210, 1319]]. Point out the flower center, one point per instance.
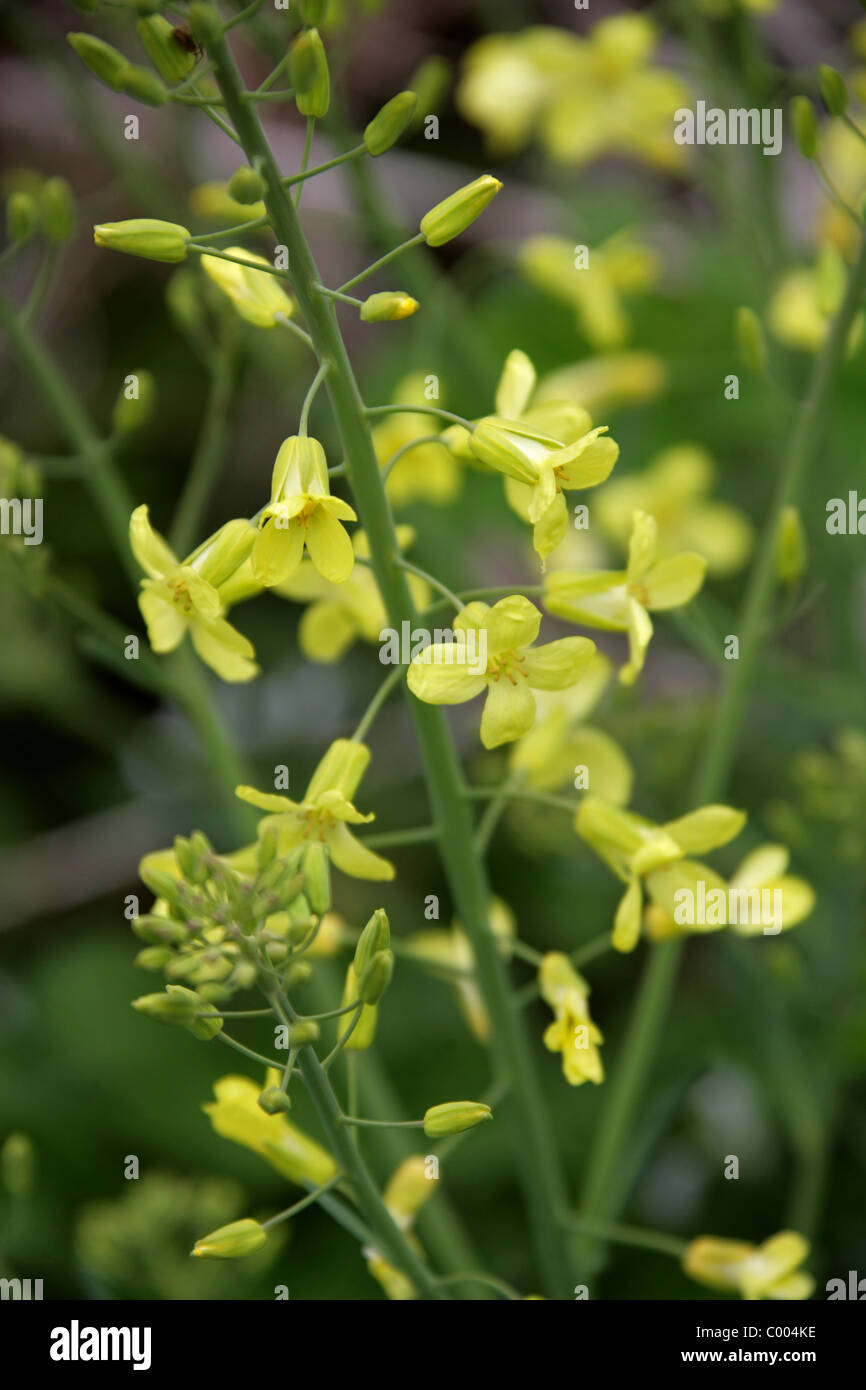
[[508, 664], [180, 594], [317, 824]]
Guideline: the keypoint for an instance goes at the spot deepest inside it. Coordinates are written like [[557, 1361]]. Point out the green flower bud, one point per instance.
[[104, 61], [805, 126], [454, 1116], [834, 93], [304, 1032], [205, 23], [454, 214], [144, 236], [202, 1028], [791, 550], [57, 210], [316, 869], [376, 936], [161, 884], [17, 1163], [388, 306], [751, 340], [389, 124], [308, 65], [179, 1007], [246, 185], [313, 11], [154, 957], [160, 931], [22, 217], [364, 1031], [244, 975], [299, 973], [429, 82], [132, 410], [232, 1241], [274, 1101], [144, 86], [184, 299], [376, 977], [170, 58]]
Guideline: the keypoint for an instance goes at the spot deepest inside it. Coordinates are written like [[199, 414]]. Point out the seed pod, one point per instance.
[[57, 210], [376, 977], [454, 214], [232, 1241], [453, 1116], [376, 936], [170, 59], [389, 124], [805, 126], [144, 236], [308, 65], [104, 61], [246, 185]]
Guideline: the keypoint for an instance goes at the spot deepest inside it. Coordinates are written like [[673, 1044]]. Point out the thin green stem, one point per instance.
[[382, 1124], [344, 1037], [418, 410], [311, 1197], [378, 700], [239, 260], [310, 397], [635, 1236], [257, 1057], [305, 159], [432, 581], [405, 449], [417, 835], [487, 1280], [305, 174], [383, 261], [340, 298]]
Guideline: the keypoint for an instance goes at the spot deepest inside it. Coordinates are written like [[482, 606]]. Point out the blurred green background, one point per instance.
[[763, 1053]]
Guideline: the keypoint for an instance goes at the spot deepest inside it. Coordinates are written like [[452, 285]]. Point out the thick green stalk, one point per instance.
[[602, 1194], [541, 1174]]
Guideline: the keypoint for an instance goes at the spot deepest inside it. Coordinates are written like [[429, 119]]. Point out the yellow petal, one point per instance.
[[589, 461], [515, 385], [325, 632], [642, 546], [165, 624], [626, 923], [440, 676], [673, 582], [150, 550], [277, 551], [330, 546], [550, 528], [511, 623], [353, 858], [706, 829], [509, 711], [556, 665], [224, 649]]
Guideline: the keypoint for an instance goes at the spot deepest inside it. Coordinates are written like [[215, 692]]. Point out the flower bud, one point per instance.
[[154, 957], [805, 126], [376, 977], [205, 23], [308, 64], [170, 59], [389, 124], [144, 236], [388, 306], [246, 185], [143, 85], [179, 1007], [202, 1028], [104, 61], [751, 340], [299, 973], [22, 217], [304, 1032], [232, 1241], [257, 294], [318, 879], [345, 762], [430, 82], [57, 210], [376, 936], [453, 1116], [790, 546], [834, 93], [160, 931], [454, 214], [132, 412], [364, 1031], [274, 1101]]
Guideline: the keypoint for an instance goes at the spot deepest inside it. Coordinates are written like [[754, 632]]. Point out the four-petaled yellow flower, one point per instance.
[[769, 1270], [189, 595], [622, 600], [447, 952], [493, 652], [760, 896], [572, 1032], [236, 1114], [428, 472], [638, 850], [325, 812], [302, 513], [257, 295], [595, 291]]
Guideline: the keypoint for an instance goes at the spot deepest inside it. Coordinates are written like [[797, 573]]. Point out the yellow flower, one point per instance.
[[636, 848], [302, 513], [493, 652], [559, 743], [190, 594], [606, 383], [236, 1114], [543, 451], [584, 97], [325, 812], [622, 600], [674, 489], [428, 473], [445, 951], [572, 1032], [257, 295], [213, 202], [760, 897], [340, 614], [804, 303], [595, 292], [769, 1270], [405, 1193]]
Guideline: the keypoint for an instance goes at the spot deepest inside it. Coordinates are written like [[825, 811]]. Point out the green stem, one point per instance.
[[629, 1235], [311, 1197], [601, 1194], [535, 1149], [305, 159], [378, 700], [382, 261]]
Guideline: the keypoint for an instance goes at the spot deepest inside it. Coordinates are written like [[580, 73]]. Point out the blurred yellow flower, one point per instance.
[[769, 1270], [427, 473], [572, 1032], [214, 202], [602, 384], [257, 295], [805, 301], [406, 1191], [674, 488], [236, 1114], [445, 951], [593, 282], [583, 97], [759, 897]]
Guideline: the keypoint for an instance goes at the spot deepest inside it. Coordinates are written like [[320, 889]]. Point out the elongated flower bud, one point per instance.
[[834, 93], [790, 546], [317, 873], [205, 23], [143, 85], [376, 977], [179, 1008], [246, 185], [308, 65], [162, 931], [751, 340], [22, 217], [132, 411], [154, 958], [232, 1241], [453, 1116], [104, 61], [144, 236], [454, 214], [389, 124], [805, 126], [57, 210], [170, 59], [388, 306], [376, 936]]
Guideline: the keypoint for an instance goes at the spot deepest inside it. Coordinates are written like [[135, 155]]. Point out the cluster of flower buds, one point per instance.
[[43, 206]]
